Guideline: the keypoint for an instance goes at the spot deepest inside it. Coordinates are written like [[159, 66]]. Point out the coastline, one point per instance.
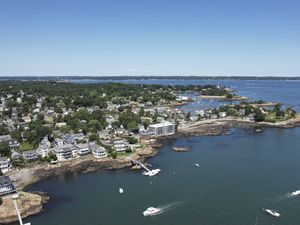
[[222, 97], [25, 177]]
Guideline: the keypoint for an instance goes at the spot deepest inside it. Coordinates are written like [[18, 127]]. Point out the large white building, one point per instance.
[[64, 152], [4, 164], [162, 129]]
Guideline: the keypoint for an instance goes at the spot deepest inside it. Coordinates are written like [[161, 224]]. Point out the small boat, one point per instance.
[[151, 172], [295, 193], [121, 191], [196, 164], [151, 211], [272, 212]]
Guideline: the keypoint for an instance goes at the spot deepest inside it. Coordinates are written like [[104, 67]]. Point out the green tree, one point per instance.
[[141, 112], [1, 201], [259, 116], [93, 137], [132, 126], [113, 155], [4, 149]]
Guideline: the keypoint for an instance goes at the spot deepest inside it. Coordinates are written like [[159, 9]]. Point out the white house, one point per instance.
[[82, 149], [98, 151], [119, 145], [162, 129], [43, 150], [64, 152], [4, 164]]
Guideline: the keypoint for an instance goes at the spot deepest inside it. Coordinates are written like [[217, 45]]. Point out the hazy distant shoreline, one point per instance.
[[68, 78]]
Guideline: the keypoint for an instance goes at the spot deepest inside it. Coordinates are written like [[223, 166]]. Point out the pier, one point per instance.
[[148, 172]]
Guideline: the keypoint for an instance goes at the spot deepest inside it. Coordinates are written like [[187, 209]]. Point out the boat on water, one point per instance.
[[295, 193], [151, 211], [196, 164], [151, 173], [121, 191], [272, 212]]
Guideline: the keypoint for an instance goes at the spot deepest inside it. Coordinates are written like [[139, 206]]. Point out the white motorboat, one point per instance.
[[121, 191], [196, 164], [151, 172], [295, 193], [272, 212], [151, 211]]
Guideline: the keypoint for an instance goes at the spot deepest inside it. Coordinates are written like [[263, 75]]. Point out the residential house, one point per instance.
[[16, 156], [69, 139], [82, 149], [64, 152], [6, 186], [98, 151], [120, 145], [58, 142], [12, 142], [4, 164], [30, 155], [104, 134], [79, 137], [43, 150], [14, 114]]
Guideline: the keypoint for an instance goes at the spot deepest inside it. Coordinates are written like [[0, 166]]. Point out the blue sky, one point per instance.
[[150, 37]]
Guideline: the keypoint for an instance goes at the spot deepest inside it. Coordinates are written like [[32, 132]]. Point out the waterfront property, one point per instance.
[[98, 151], [64, 152], [162, 129], [6, 186], [82, 149], [120, 145], [30, 155], [4, 164]]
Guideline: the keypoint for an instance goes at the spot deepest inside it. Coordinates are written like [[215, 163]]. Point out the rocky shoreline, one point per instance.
[[28, 204], [33, 204]]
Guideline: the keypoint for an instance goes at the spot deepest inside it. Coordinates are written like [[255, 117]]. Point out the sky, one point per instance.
[[149, 37]]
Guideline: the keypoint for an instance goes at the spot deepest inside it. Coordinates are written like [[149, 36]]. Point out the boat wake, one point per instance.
[[288, 195], [167, 207]]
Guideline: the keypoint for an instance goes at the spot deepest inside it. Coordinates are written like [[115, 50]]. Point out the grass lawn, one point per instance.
[[271, 117], [25, 146]]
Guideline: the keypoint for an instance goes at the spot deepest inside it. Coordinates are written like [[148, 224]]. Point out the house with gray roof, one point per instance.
[[30, 155], [6, 186], [64, 152]]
